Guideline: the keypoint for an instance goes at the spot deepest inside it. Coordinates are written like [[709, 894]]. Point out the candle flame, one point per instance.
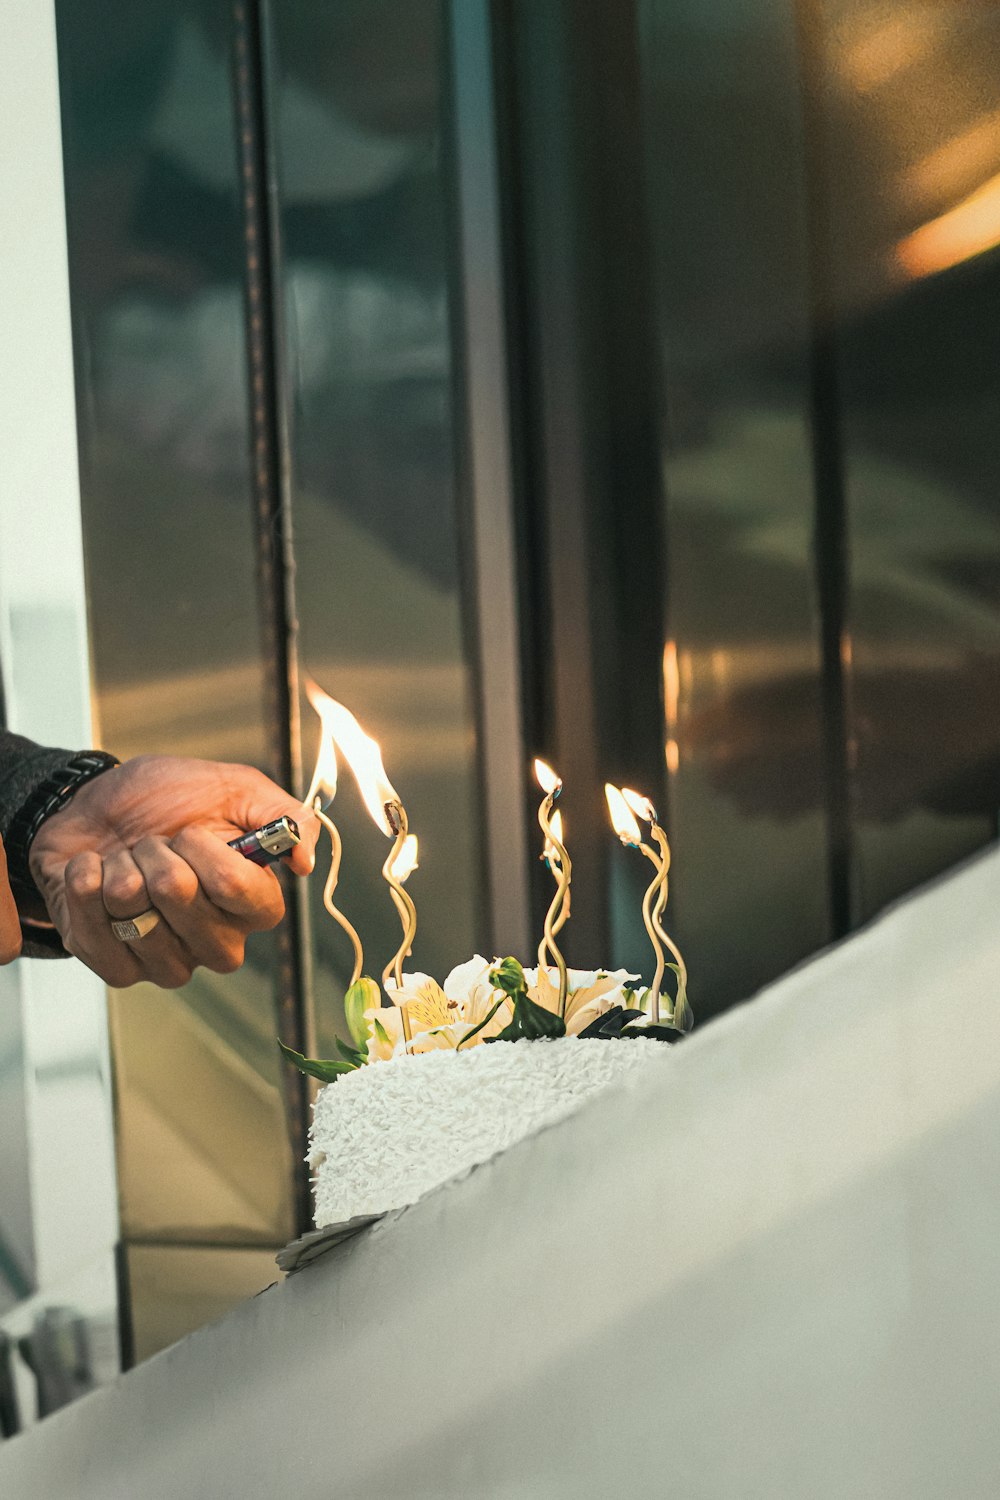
[[341, 731], [640, 805], [406, 860], [556, 825], [622, 820], [324, 777], [546, 778]]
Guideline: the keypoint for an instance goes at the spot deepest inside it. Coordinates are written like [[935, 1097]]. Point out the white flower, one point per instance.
[[385, 1033], [438, 1017], [591, 993], [455, 1035], [443, 1016], [411, 989], [469, 986], [424, 1002]]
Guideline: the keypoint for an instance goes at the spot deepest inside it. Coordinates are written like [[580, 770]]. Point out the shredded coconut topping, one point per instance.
[[385, 1135]]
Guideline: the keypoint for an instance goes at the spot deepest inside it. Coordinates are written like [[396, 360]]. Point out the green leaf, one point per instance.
[[326, 1069], [683, 1016], [531, 1021], [381, 1033], [484, 1022], [352, 1055], [363, 995]]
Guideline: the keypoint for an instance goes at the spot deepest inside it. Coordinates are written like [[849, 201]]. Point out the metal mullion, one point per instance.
[[484, 362], [559, 374], [830, 490], [588, 392], [272, 511]]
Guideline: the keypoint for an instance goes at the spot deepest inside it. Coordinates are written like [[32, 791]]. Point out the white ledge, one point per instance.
[[770, 1272]]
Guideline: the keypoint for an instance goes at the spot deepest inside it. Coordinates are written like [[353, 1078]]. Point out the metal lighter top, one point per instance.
[[264, 845]]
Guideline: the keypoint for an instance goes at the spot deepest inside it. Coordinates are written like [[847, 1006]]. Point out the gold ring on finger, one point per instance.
[[130, 929]]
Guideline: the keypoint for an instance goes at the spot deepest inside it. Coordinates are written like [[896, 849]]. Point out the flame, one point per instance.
[[546, 778], [406, 860], [622, 820], [324, 777], [640, 805], [556, 825], [342, 730]]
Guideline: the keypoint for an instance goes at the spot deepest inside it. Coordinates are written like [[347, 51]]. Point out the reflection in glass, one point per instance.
[[912, 108], [157, 266], [741, 664], [356, 106]]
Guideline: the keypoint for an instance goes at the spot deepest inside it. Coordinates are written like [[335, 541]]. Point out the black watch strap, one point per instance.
[[48, 797]]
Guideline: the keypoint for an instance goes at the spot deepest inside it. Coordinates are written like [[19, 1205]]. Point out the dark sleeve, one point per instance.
[[23, 767]]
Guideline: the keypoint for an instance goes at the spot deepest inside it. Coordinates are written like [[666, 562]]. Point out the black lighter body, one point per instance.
[[262, 846]]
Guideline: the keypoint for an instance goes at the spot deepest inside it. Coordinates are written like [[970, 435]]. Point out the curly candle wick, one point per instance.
[[396, 815], [655, 890], [624, 807], [336, 851], [565, 913], [558, 912], [678, 1016]]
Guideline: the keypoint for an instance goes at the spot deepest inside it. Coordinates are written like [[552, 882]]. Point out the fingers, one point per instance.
[[124, 885], [302, 860], [211, 936], [113, 888], [158, 841], [208, 898], [10, 926], [236, 887], [87, 934], [253, 800]]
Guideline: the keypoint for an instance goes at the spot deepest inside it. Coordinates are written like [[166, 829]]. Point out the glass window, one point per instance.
[[357, 105], [157, 276], [725, 171], [910, 101]]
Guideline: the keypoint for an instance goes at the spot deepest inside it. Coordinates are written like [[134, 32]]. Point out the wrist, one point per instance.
[[47, 798]]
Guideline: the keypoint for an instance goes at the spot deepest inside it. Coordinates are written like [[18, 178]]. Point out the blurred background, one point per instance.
[[611, 381]]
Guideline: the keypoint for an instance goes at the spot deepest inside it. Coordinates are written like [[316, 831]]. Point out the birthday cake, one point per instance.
[[450, 1075], [438, 1078]]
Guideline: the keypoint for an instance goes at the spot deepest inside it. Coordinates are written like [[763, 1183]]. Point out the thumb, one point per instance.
[[254, 799]]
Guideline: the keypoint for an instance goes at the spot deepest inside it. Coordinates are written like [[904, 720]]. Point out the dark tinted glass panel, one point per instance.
[[177, 1289], [725, 167], [911, 100], [356, 102], [157, 254]]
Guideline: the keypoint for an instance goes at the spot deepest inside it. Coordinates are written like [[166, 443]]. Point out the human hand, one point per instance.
[[10, 926], [153, 833]]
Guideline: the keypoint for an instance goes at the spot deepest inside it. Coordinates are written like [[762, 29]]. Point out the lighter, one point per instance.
[[262, 846]]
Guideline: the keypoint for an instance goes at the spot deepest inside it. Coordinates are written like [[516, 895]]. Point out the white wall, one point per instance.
[[58, 1207], [774, 1275]]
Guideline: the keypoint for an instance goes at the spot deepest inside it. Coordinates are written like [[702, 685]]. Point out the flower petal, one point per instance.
[[385, 1038], [465, 978]]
